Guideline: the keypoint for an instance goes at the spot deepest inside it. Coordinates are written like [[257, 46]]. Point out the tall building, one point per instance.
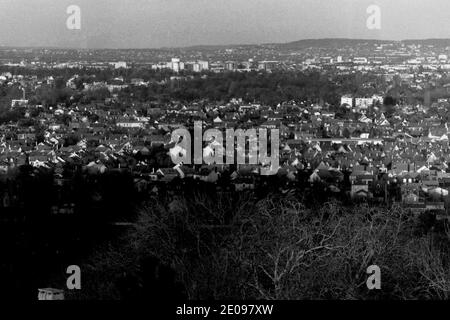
[[204, 65], [196, 67], [230, 66], [176, 65]]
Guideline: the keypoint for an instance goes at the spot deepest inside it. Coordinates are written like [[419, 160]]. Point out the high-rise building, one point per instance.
[[204, 65], [230, 66], [196, 67], [176, 64]]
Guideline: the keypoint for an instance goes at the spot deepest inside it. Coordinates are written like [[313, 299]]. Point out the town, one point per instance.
[[314, 129], [385, 139]]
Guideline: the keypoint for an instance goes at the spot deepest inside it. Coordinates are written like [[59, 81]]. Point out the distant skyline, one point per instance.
[[183, 23]]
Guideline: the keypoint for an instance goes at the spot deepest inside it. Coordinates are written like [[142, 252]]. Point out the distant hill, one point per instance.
[[325, 43], [294, 45], [215, 47], [329, 43], [300, 44], [429, 42], [340, 42]]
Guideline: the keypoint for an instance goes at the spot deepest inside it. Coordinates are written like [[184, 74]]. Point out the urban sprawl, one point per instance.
[[358, 120]]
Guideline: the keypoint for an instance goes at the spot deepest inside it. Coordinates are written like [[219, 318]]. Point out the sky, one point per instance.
[[180, 23]]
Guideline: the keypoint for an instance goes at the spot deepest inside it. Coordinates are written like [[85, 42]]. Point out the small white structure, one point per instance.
[[50, 294], [19, 103], [217, 120]]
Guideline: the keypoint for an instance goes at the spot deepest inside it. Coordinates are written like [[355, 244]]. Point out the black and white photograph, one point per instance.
[[224, 155]]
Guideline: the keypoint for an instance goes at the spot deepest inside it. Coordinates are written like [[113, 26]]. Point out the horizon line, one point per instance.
[[220, 45]]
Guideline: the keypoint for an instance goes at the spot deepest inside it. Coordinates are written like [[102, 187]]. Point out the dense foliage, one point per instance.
[[236, 248], [260, 87]]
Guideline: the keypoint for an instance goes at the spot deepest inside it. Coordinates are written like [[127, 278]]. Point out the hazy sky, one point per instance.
[[159, 23]]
